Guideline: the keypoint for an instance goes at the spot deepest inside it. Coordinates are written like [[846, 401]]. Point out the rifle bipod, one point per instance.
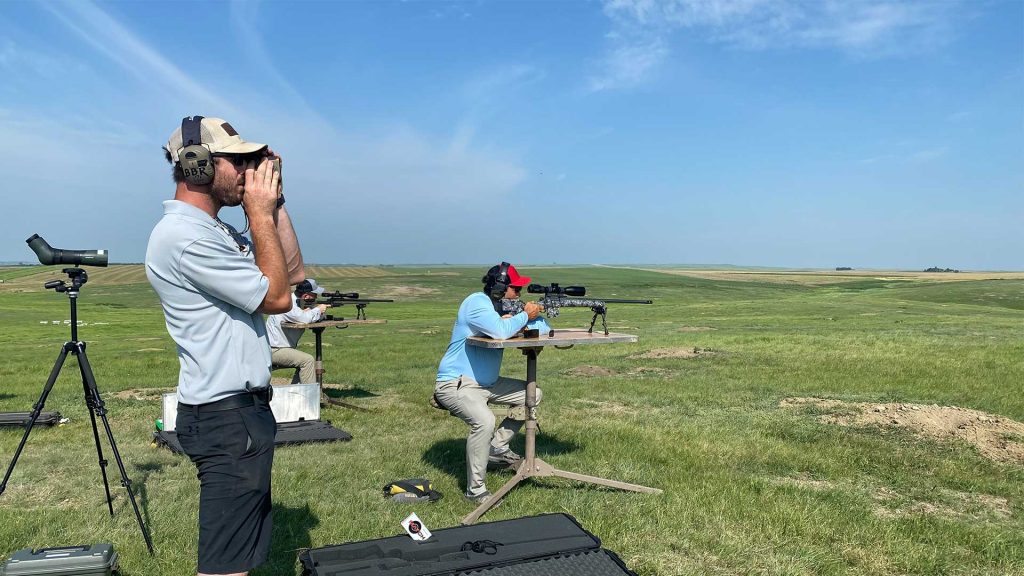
[[603, 313]]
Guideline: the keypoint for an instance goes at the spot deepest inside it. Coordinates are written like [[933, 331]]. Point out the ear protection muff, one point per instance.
[[496, 283], [194, 157]]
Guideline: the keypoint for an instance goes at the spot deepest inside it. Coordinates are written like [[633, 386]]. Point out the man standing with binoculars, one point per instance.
[[214, 284]]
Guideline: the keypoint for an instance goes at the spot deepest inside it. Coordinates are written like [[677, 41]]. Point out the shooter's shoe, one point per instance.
[[502, 460], [481, 498]]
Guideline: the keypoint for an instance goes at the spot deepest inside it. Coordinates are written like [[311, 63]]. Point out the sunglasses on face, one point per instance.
[[239, 160]]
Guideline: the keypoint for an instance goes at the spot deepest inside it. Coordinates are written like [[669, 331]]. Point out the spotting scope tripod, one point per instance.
[[93, 400]]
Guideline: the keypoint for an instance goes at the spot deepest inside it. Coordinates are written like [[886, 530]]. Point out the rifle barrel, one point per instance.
[[621, 300], [337, 301]]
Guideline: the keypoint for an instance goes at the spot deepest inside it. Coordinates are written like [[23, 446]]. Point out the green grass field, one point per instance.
[[750, 487]]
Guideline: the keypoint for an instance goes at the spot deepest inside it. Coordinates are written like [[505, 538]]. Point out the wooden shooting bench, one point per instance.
[[318, 330], [531, 466]]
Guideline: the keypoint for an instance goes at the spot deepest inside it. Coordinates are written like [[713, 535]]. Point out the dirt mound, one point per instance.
[[589, 371], [684, 352], [996, 437]]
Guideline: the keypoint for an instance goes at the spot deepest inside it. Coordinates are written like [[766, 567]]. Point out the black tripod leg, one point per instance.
[[36, 410], [96, 405], [90, 403]]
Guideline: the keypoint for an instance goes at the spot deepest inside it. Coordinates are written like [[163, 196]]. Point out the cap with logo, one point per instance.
[[216, 135]]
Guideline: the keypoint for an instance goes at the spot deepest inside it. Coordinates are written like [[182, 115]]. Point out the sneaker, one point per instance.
[[481, 498], [506, 459]]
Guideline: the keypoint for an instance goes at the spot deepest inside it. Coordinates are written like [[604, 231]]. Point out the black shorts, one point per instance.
[[234, 451]]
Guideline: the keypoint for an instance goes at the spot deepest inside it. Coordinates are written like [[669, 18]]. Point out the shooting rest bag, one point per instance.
[[412, 490], [287, 433], [19, 419], [95, 560], [546, 545]]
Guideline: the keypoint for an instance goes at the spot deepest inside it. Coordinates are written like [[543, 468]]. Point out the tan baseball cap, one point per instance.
[[218, 136]]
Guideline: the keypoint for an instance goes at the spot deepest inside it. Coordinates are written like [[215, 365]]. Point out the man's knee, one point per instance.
[[482, 426]]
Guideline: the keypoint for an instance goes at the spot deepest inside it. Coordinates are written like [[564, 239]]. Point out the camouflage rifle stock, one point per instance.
[[556, 297]]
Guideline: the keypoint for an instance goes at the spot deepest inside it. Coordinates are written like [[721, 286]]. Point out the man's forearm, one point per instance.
[[290, 247], [270, 257]]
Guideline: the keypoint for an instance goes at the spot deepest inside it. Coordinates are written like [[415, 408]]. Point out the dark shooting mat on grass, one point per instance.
[[19, 419], [287, 433], [552, 544]]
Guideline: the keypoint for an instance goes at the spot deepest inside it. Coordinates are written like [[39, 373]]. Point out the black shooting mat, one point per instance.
[[300, 432], [589, 563]]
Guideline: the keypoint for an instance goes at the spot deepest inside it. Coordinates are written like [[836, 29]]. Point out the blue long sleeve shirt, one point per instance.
[[477, 317]]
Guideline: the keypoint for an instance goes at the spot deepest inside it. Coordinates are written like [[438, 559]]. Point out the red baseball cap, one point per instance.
[[515, 279]]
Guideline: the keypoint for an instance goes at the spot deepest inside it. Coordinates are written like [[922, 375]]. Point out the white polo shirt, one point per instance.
[[289, 337], [206, 276]]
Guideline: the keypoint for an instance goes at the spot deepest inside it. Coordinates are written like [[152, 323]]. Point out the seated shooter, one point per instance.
[[284, 342], [468, 380]]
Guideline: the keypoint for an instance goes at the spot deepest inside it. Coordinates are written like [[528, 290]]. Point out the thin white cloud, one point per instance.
[[485, 93], [245, 22], [115, 41], [629, 63], [857, 28]]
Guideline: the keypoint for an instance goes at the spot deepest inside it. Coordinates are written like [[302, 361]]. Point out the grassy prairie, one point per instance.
[[751, 486]]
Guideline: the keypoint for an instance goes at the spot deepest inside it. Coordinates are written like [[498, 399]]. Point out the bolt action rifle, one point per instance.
[[556, 297], [336, 298]]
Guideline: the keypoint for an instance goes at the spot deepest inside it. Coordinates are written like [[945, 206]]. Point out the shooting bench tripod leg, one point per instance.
[[533, 467], [318, 333], [603, 481]]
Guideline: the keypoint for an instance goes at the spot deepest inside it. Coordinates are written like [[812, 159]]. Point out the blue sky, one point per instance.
[[869, 133]]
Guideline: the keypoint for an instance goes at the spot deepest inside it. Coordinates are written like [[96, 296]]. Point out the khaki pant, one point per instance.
[[468, 400], [304, 364]]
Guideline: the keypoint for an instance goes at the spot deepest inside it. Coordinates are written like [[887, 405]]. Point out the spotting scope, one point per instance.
[[49, 255]]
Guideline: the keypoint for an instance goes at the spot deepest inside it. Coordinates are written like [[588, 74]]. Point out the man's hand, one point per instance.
[[532, 309], [261, 188], [323, 307]]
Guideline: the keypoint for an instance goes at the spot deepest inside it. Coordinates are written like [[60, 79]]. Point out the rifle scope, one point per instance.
[[341, 295], [556, 289], [50, 255]]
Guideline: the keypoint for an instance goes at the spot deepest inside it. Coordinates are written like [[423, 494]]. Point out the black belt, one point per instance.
[[243, 400]]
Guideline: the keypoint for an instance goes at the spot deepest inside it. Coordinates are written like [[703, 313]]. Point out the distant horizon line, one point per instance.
[[591, 265]]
